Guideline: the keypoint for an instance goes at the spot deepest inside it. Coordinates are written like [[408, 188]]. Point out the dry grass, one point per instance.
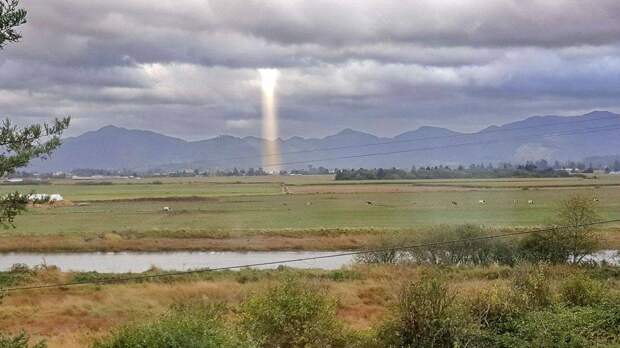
[[72, 317], [273, 240], [115, 242]]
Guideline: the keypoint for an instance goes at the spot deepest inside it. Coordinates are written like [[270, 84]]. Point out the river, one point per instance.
[[135, 262]]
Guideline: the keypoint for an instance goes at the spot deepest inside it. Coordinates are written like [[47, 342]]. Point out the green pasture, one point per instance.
[[101, 191], [237, 207]]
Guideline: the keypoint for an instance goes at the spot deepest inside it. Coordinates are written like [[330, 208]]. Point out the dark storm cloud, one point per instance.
[[188, 68]]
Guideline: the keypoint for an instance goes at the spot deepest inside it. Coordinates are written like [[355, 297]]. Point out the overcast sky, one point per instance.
[[188, 68]]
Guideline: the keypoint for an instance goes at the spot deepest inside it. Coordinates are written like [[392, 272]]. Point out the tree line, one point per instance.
[[481, 171]]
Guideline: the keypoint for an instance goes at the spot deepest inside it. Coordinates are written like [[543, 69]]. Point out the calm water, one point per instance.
[[123, 262], [139, 262]]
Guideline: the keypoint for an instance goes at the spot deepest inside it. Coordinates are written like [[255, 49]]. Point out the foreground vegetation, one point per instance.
[[376, 305]]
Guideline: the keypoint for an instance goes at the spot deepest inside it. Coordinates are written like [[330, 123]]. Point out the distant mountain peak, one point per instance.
[[600, 113], [110, 127], [427, 131], [348, 131], [431, 129], [490, 128]]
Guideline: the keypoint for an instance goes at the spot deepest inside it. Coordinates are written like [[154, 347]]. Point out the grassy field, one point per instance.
[[290, 207]]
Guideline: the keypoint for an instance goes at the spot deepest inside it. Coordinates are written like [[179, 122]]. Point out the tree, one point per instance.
[[576, 213], [19, 145], [572, 240], [11, 16]]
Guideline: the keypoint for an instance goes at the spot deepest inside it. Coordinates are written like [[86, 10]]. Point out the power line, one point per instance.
[[429, 148], [491, 131], [282, 262]]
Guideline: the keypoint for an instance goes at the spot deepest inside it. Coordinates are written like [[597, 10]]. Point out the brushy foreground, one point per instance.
[[581, 312], [526, 305]]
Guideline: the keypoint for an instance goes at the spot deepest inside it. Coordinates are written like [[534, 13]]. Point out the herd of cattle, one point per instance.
[[44, 197], [516, 201]]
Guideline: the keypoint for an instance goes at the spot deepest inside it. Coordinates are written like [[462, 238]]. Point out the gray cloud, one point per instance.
[[189, 68]]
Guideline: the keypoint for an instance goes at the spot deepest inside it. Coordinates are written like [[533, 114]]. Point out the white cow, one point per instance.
[[530, 202], [38, 197], [56, 197], [166, 209], [482, 201]]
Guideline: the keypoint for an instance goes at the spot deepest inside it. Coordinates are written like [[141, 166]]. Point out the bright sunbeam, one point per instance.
[[271, 148]]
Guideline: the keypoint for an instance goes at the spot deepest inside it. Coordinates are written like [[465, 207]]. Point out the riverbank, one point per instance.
[[112, 242], [283, 240]]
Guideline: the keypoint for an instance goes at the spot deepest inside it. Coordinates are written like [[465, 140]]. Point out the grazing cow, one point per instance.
[[530, 202], [39, 197], [166, 209], [454, 203], [56, 197], [482, 201]]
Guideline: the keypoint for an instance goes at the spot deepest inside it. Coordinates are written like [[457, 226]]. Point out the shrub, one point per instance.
[[183, 326], [580, 290], [427, 316], [17, 274], [21, 340], [291, 314], [565, 327], [544, 247], [495, 307], [384, 254], [532, 287], [474, 250], [342, 275]]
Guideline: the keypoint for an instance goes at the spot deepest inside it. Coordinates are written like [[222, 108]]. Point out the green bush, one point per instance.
[[495, 307], [568, 327], [531, 287], [544, 247], [181, 327], [291, 314], [21, 340], [580, 290], [427, 315]]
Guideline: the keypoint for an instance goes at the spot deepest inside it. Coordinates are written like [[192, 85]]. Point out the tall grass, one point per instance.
[[21, 340]]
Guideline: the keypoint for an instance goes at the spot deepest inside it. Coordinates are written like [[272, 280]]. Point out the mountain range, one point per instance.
[[539, 137]]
